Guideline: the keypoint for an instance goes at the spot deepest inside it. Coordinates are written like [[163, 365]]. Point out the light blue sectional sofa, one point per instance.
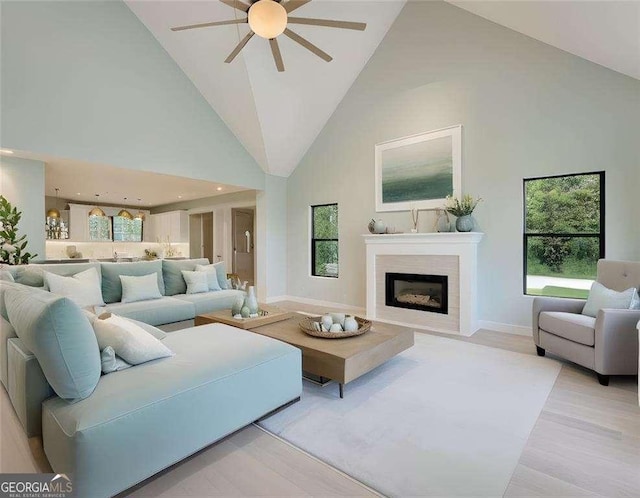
[[138, 421]]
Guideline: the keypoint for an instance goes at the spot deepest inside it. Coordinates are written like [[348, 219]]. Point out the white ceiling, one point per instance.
[[80, 181], [277, 116], [605, 32]]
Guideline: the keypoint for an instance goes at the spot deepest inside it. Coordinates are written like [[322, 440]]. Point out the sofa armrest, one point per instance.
[[541, 304], [616, 342]]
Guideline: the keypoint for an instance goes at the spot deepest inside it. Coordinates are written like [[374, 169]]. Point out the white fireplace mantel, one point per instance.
[[463, 246]]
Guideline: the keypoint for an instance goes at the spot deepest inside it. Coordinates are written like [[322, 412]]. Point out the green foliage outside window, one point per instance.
[[324, 244]]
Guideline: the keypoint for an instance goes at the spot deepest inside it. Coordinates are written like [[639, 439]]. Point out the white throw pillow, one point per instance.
[[139, 288], [601, 297], [197, 281], [111, 362], [82, 288], [212, 276], [129, 341]]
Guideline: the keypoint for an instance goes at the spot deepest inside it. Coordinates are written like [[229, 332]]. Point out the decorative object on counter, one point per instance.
[[462, 209], [150, 255], [415, 214], [443, 222], [12, 247], [168, 251], [377, 226], [72, 253], [341, 326], [419, 170]]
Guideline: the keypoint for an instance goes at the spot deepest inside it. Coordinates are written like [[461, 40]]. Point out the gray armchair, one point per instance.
[[608, 343]]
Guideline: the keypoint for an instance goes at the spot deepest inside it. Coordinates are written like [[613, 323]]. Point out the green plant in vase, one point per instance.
[[12, 247], [462, 210]]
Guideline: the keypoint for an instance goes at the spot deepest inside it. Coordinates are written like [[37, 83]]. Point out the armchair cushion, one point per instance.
[[576, 328], [541, 304]]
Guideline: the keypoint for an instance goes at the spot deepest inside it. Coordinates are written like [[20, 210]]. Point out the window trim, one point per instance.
[[525, 235], [314, 240]]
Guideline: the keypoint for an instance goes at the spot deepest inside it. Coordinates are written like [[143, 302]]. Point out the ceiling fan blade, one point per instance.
[[359, 26], [208, 24], [277, 56], [236, 4], [308, 45], [239, 47], [292, 5]]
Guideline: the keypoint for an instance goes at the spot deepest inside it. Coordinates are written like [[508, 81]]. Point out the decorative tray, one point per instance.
[[306, 324]]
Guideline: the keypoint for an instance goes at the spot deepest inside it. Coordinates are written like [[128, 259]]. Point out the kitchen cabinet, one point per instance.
[[172, 226]]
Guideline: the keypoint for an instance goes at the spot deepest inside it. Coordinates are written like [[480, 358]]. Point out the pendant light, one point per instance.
[[96, 211], [140, 216], [53, 212], [124, 213]]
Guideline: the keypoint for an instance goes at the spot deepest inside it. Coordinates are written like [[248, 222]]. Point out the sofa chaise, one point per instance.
[[141, 420]]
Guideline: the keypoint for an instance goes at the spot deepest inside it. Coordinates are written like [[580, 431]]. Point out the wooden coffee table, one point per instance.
[[341, 360]]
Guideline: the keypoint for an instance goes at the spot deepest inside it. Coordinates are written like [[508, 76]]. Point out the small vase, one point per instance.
[[464, 223], [237, 306], [443, 224], [251, 301]]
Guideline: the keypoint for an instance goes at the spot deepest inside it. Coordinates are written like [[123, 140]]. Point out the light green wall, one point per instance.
[[527, 109], [22, 183], [86, 80]]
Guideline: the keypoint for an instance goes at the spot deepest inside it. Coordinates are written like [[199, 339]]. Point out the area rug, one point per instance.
[[444, 418]]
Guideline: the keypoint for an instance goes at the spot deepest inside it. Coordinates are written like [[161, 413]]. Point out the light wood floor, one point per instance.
[[586, 442]]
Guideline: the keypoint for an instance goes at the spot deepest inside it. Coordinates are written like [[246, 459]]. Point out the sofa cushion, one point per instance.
[[61, 338], [212, 276], [172, 273], [33, 275], [156, 311], [576, 328], [208, 302], [145, 418], [140, 288], [111, 285], [196, 281]]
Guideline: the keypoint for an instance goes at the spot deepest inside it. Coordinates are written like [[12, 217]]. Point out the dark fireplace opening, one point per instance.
[[418, 292]]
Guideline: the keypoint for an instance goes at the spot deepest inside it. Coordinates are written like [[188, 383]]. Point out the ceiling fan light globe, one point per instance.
[[267, 18]]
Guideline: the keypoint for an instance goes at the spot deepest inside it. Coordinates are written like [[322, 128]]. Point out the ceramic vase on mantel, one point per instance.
[[251, 301], [464, 223]]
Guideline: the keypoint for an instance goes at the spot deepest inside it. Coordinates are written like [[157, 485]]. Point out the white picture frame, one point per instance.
[[419, 171]]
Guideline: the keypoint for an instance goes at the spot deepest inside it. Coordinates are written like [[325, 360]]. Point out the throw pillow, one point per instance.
[[82, 288], [129, 341], [5, 276], [111, 362], [139, 288], [212, 276], [600, 297], [61, 338], [197, 281]]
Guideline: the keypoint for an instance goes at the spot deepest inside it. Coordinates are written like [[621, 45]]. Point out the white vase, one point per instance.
[[251, 301]]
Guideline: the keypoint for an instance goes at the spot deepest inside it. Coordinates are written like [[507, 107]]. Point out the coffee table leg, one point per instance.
[[341, 390]]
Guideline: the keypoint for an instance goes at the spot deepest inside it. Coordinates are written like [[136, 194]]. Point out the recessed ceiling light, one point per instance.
[[219, 189], [179, 197], [6, 151], [78, 193]]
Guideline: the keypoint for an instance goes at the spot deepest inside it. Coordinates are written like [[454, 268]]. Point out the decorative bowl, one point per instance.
[[306, 324]]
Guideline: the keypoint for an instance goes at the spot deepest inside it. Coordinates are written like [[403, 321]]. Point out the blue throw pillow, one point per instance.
[[59, 334]]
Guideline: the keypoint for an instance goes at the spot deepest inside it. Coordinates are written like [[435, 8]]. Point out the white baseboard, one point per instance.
[[506, 328], [314, 302]]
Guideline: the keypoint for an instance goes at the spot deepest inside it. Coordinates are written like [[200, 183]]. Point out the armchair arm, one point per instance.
[[541, 304], [616, 342]]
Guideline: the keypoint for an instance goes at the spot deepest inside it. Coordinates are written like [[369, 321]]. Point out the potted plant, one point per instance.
[[462, 210], [12, 247]]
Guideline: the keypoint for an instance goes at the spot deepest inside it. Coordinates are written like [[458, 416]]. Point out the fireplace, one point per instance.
[[417, 291]]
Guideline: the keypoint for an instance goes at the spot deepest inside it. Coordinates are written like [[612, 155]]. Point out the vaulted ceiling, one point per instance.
[[278, 115]]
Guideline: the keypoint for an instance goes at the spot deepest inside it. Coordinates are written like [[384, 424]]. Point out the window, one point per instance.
[[324, 240], [127, 230], [563, 233]]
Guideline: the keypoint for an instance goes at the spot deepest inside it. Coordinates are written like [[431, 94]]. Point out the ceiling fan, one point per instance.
[[269, 19]]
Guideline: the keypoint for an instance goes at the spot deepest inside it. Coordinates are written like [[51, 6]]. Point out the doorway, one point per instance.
[[201, 236], [242, 222]]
